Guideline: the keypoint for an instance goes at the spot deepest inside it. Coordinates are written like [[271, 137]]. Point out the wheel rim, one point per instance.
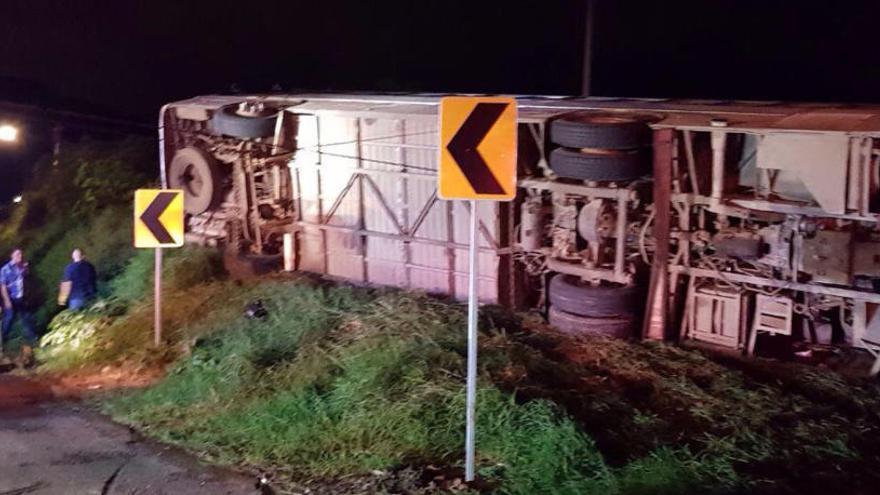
[[193, 171], [191, 180]]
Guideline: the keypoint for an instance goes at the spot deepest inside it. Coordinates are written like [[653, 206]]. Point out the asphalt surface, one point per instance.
[[49, 447]]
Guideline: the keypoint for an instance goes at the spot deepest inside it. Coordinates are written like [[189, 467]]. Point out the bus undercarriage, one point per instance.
[[702, 221]]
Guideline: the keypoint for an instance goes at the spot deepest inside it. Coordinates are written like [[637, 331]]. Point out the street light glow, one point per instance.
[[17, 199], [8, 133]]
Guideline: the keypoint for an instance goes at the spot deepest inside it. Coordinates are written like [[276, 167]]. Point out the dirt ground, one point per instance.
[[58, 447]]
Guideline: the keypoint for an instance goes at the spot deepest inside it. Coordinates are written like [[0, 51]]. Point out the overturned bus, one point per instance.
[[708, 221]]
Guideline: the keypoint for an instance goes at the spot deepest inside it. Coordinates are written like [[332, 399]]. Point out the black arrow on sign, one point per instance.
[[151, 215], [463, 147]]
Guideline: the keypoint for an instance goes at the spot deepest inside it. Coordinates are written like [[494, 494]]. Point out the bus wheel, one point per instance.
[[200, 178], [245, 122], [601, 131], [568, 293], [600, 165], [619, 327]]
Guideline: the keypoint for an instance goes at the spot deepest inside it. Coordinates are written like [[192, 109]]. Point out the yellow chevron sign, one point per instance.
[[158, 218], [477, 148]]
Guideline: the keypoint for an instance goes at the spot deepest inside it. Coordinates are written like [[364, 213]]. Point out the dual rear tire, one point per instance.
[[600, 147], [579, 309]]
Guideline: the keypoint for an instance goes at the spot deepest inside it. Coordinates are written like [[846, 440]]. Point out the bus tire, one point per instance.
[[570, 294], [200, 177], [599, 166], [228, 122], [622, 327], [600, 131]]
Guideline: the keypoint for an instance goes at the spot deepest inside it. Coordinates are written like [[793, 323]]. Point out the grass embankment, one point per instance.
[[337, 382]]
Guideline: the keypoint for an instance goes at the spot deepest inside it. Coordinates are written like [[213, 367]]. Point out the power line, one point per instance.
[[75, 119]]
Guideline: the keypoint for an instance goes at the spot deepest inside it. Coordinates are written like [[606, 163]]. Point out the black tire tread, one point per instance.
[[574, 164], [579, 326], [578, 131], [569, 294], [227, 122]]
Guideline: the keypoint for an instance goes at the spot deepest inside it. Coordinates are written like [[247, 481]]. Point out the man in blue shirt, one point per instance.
[[78, 285], [12, 292]]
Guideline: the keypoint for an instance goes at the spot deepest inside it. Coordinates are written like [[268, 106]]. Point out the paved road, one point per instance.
[[48, 448]]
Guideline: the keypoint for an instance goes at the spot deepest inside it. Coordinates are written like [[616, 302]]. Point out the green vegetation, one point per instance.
[[84, 201], [339, 383], [118, 328], [359, 381]]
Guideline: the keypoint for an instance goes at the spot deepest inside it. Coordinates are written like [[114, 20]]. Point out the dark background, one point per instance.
[[125, 58]]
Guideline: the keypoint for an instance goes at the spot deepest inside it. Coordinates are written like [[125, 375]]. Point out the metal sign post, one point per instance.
[[477, 161], [157, 296], [158, 224], [473, 267]]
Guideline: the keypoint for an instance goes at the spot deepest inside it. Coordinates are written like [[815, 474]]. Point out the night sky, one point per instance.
[[126, 58]]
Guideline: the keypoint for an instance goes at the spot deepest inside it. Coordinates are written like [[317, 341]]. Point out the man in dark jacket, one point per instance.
[[78, 286]]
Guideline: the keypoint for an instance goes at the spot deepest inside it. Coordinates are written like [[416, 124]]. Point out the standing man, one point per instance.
[[12, 291], [78, 285]]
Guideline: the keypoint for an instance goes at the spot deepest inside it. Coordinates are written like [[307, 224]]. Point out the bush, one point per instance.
[[191, 266], [75, 335], [182, 268], [35, 214], [134, 282], [105, 182], [92, 175]]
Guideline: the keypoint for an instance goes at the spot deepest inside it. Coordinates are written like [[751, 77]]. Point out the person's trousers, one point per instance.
[[77, 303], [24, 315]]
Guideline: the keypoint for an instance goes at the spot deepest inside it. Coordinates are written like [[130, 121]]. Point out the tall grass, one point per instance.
[[336, 382], [182, 269]]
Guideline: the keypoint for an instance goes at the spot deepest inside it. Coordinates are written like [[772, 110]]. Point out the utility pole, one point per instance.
[[587, 65]]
